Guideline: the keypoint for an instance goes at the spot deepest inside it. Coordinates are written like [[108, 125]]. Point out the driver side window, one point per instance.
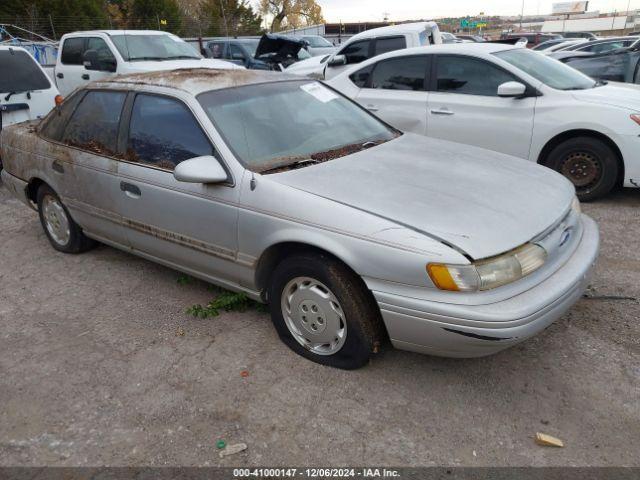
[[356, 52], [469, 76], [163, 132]]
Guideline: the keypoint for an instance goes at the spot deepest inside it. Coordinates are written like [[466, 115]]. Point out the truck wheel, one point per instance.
[[324, 312], [63, 233], [590, 164]]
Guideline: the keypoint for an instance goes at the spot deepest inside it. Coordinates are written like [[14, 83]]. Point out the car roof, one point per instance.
[[197, 80], [476, 48], [397, 29], [118, 32]]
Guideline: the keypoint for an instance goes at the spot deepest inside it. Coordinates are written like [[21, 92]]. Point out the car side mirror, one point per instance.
[[338, 60], [91, 61], [205, 169], [512, 90]]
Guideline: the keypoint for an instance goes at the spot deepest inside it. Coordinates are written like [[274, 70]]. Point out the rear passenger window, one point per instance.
[[94, 124], [163, 133], [72, 50], [357, 52], [466, 75], [406, 73], [217, 49], [384, 45]]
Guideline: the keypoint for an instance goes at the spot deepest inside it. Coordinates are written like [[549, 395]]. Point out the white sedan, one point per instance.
[[509, 100]]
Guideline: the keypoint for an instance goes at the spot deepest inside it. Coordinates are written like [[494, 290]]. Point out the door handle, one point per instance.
[[372, 108], [85, 76], [130, 189], [60, 75], [441, 112]]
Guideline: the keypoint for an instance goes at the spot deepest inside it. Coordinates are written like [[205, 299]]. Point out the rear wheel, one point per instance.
[[324, 312], [63, 233], [590, 164]]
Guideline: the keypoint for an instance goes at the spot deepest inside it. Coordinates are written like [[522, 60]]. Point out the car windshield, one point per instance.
[[282, 125], [138, 47], [317, 42], [251, 45], [551, 72]]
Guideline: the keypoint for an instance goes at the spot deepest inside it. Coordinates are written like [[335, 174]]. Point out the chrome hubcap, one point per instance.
[[55, 219], [582, 168], [314, 316]]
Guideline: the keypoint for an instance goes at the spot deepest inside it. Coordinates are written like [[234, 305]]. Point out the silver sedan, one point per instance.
[[353, 232]]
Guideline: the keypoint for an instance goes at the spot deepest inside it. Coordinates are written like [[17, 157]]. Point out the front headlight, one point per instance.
[[490, 273]]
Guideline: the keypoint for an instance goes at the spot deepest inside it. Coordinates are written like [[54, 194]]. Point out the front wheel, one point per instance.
[[590, 164], [324, 312]]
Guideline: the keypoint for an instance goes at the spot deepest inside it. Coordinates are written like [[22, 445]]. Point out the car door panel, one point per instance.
[[464, 107], [396, 93], [87, 162], [190, 225]]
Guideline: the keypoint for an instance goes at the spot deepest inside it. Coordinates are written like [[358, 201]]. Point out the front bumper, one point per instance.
[[412, 325]]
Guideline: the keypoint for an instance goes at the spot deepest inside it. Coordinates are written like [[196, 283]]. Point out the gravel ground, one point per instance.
[[100, 365]]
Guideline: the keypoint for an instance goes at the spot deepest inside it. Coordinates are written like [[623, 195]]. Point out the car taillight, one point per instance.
[[59, 99]]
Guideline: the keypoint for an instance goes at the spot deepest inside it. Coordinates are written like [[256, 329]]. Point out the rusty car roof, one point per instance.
[[198, 80]]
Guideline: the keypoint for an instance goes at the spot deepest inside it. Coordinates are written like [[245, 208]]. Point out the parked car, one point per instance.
[[368, 44], [585, 35], [533, 38], [596, 46], [282, 188], [620, 65], [271, 52], [318, 45], [449, 38], [471, 38], [26, 92], [510, 100], [557, 44], [96, 55]]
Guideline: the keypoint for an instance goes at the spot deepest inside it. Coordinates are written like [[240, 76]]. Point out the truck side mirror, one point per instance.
[[91, 61]]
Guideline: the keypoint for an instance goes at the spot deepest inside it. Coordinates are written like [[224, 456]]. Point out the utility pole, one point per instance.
[[521, 15]]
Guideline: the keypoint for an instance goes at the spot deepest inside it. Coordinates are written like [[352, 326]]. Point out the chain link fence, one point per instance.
[[54, 27]]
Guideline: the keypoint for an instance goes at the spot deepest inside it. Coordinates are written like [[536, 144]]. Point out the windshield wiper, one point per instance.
[[133, 59], [11, 94], [323, 156], [182, 57]]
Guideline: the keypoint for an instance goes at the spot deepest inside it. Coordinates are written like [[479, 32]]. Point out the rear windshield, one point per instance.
[[20, 73]]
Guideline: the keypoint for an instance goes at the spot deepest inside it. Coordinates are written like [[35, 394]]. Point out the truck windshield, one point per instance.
[[138, 47], [20, 73], [549, 71], [282, 125]]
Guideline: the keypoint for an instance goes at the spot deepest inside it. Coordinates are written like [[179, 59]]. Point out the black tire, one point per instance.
[[364, 327], [77, 242], [590, 164]]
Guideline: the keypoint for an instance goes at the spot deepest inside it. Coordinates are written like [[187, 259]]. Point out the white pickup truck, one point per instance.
[[367, 44], [94, 55]]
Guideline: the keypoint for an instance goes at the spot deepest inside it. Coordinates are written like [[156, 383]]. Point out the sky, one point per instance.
[[374, 10]]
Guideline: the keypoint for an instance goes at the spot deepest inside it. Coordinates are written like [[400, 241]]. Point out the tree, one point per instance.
[[155, 14], [65, 15], [291, 13], [231, 18]]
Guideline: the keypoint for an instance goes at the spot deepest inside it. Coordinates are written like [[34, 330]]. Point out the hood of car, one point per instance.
[[622, 95], [309, 65], [152, 66], [279, 45], [481, 202]]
